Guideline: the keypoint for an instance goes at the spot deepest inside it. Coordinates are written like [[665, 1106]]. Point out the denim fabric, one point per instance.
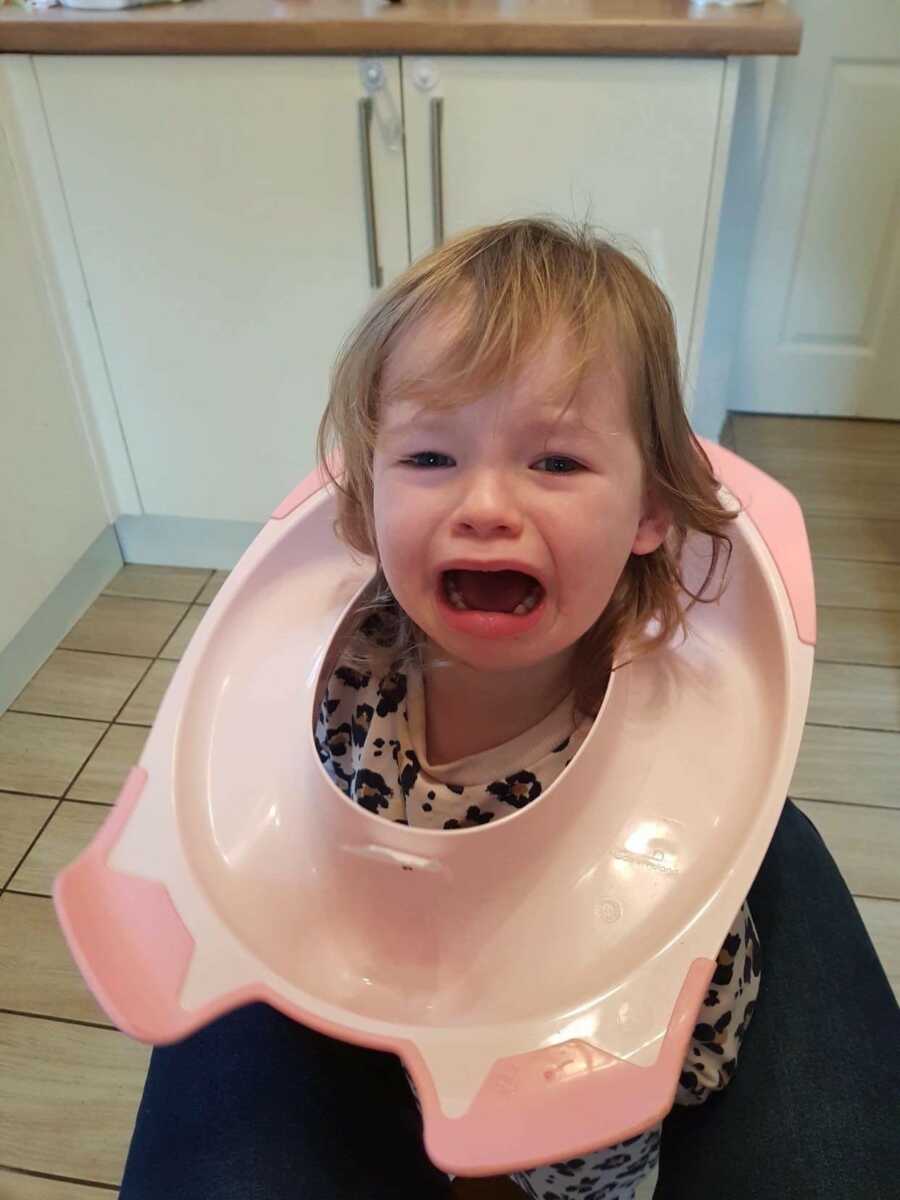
[[257, 1107], [813, 1111]]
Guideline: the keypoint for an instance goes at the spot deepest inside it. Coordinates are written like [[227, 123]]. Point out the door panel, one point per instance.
[[627, 143], [217, 205], [821, 325]]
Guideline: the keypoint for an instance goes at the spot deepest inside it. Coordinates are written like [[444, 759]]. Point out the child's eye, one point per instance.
[[431, 454], [561, 458], [430, 457]]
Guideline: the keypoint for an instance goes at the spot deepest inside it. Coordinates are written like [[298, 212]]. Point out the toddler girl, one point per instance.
[[518, 462]]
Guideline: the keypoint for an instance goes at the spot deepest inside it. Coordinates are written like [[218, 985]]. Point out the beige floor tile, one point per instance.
[[141, 708], [72, 683], [856, 635], [839, 437], [211, 590], [106, 770], [123, 625], [21, 818], [71, 829], [855, 697], [882, 920], [857, 584], [869, 539], [862, 842], [68, 1097], [178, 643], [849, 766], [159, 583], [42, 755], [15, 1186], [37, 972], [865, 486]]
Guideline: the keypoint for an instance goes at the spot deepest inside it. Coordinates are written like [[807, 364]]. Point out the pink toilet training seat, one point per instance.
[[541, 977]]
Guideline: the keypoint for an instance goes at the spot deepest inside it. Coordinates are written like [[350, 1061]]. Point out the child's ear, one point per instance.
[[655, 523]]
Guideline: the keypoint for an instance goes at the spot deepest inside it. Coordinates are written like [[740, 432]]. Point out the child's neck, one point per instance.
[[468, 711]]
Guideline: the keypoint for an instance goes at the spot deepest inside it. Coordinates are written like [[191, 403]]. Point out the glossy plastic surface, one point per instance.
[[539, 977]]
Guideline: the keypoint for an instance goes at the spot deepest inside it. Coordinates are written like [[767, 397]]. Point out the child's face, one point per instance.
[[486, 483]]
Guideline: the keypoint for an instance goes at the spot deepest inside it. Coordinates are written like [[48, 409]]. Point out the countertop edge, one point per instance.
[[179, 31]]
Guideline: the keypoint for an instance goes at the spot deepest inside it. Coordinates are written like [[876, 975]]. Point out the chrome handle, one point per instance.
[[365, 149], [437, 186]]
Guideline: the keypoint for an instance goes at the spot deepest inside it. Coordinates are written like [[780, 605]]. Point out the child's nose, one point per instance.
[[488, 505]]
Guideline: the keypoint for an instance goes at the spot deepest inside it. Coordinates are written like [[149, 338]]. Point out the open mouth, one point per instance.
[[492, 591]]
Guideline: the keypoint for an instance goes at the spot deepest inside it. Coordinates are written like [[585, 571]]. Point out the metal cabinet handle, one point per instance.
[[365, 149], [437, 186]]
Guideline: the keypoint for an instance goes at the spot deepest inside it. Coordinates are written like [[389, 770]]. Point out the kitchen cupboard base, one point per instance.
[[184, 541]]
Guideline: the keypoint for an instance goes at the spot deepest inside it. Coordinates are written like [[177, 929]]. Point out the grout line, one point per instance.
[[827, 515], [91, 1183], [856, 608], [108, 653], [80, 770], [90, 803], [869, 562], [849, 663], [850, 728], [142, 599], [12, 874], [18, 1012], [840, 662], [32, 795], [210, 571], [178, 625], [128, 698], [34, 712], [203, 585], [60, 649], [893, 521], [795, 796]]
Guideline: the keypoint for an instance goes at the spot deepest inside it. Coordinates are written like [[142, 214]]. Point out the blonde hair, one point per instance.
[[511, 283]]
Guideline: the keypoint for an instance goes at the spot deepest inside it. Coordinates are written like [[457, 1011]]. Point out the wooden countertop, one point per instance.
[[658, 27]]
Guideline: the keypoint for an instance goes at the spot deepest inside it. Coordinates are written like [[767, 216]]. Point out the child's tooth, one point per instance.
[[455, 598], [528, 603]]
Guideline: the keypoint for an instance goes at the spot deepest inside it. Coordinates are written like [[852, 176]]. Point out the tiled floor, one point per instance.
[[70, 1084]]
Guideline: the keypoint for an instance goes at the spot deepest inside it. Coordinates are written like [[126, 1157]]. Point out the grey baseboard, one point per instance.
[[184, 541]]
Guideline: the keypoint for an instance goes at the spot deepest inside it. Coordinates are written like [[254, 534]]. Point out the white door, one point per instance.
[[626, 142], [218, 206], [821, 326]]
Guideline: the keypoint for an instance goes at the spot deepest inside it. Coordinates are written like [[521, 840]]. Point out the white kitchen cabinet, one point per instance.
[[627, 142], [218, 206]]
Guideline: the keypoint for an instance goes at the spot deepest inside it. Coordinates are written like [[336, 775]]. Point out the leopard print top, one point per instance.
[[370, 737]]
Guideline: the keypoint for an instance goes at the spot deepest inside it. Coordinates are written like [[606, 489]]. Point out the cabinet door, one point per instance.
[[218, 208], [626, 142]]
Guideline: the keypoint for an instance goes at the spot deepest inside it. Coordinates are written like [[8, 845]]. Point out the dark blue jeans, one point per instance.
[[257, 1107]]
